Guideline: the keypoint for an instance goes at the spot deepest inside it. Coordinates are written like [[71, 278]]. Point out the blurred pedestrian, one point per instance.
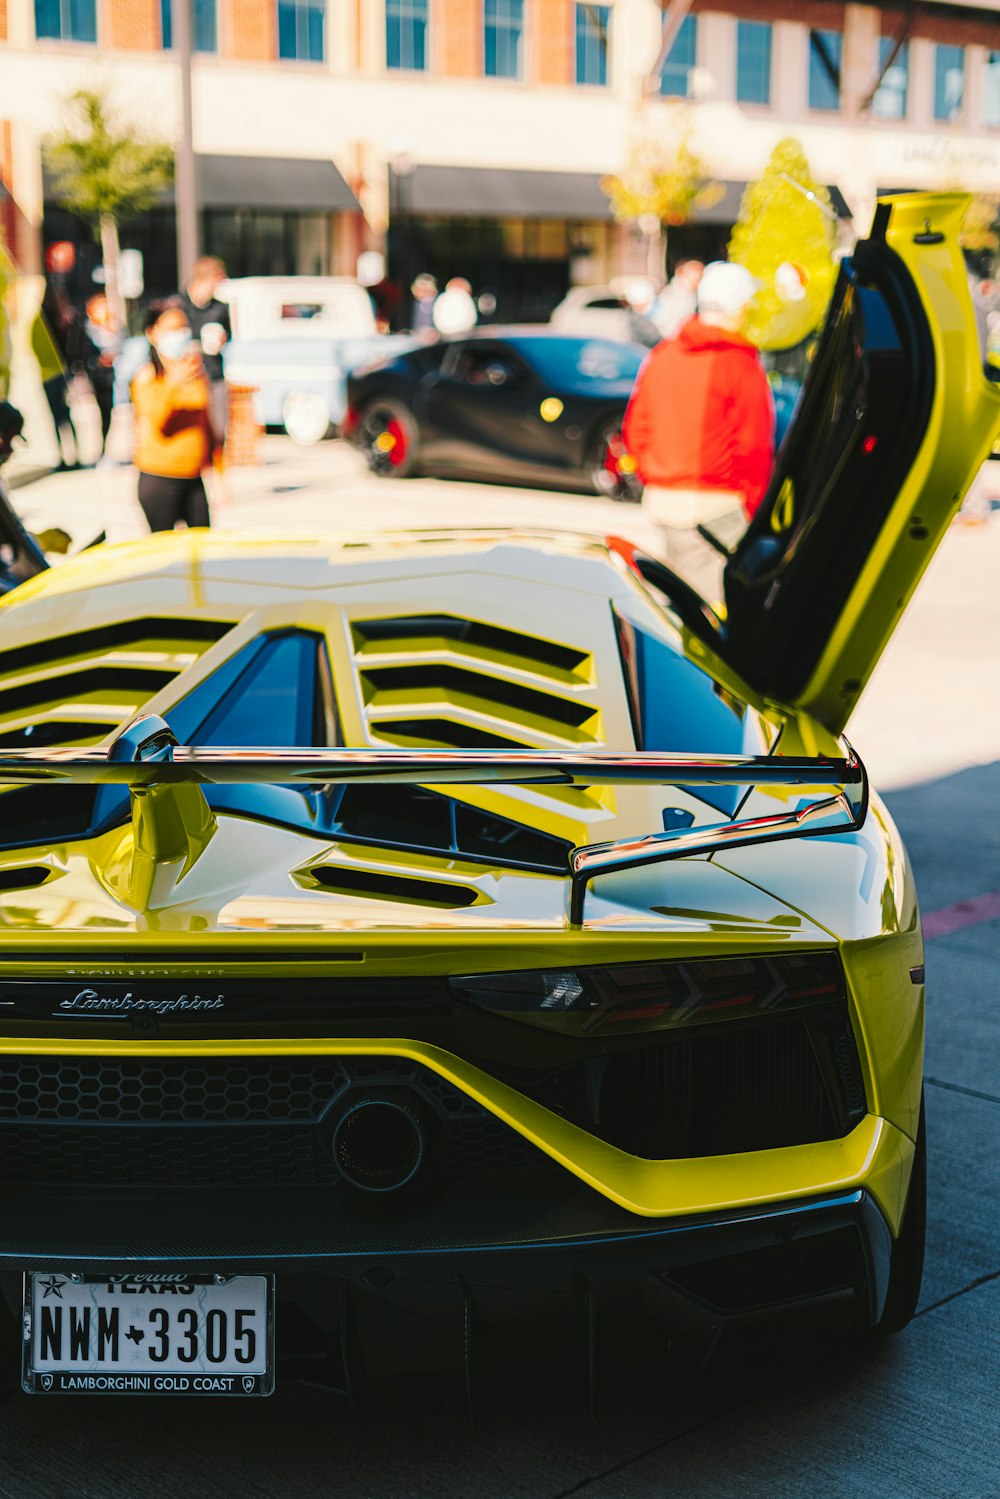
[[678, 300], [700, 421], [57, 344], [454, 310], [424, 290], [209, 321], [176, 440], [640, 299], [103, 344]]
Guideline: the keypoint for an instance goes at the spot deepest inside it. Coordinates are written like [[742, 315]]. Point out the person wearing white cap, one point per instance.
[[454, 310], [700, 421]]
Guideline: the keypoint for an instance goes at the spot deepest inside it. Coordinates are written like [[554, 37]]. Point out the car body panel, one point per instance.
[[875, 1155], [458, 419], [306, 307], [593, 312], [534, 426], [245, 894], [895, 419], [300, 335]]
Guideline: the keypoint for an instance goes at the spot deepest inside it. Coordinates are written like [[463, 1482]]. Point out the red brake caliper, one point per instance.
[[397, 452]]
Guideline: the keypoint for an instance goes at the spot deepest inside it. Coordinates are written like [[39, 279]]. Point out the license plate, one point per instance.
[[148, 1334]]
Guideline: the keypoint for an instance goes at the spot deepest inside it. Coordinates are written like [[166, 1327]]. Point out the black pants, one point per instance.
[[57, 395], [102, 380], [166, 501]]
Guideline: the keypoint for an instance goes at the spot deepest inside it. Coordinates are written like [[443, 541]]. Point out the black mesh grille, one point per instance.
[[220, 1121], [754, 1087], [77, 1154], [182, 1090]]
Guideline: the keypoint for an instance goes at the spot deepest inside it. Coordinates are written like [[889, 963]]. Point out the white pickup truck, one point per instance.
[[295, 339]]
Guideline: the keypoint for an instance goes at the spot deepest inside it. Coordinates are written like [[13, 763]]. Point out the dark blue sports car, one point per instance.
[[522, 405]]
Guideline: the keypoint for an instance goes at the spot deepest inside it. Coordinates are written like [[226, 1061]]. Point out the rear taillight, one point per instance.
[[657, 996]]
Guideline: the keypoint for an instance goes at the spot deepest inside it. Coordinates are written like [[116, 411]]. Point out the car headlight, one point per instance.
[[629, 997]]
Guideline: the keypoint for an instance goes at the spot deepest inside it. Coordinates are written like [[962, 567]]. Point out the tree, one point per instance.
[[980, 231], [104, 169], [662, 181], [785, 236]]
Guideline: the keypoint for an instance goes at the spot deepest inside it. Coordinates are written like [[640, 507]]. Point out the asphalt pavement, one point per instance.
[[791, 1411]]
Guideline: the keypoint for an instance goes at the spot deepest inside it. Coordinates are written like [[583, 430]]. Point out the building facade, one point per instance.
[[470, 136]]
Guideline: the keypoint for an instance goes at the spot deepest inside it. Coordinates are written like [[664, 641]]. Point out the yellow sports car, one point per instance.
[[439, 914]]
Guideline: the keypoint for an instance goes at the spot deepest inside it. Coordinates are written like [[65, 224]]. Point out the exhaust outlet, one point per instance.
[[380, 1141]]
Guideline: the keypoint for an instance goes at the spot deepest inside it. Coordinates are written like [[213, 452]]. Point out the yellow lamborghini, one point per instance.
[[443, 911]]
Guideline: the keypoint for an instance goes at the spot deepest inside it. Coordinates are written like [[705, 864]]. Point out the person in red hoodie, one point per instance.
[[700, 421]]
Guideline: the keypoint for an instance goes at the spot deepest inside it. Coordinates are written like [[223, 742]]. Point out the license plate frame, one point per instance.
[[142, 1290]]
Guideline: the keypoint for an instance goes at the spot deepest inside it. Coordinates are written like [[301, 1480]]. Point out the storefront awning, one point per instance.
[[283, 183], [493, 192]]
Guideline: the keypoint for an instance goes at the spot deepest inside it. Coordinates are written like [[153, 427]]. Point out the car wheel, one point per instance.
[[387, 435], [306, 417], [612, 469], [906, 1264]]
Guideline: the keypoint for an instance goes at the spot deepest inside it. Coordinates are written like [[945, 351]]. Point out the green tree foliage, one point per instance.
[[662, 180], [980, 232], [104, 168], [662, 176], [786, 219]]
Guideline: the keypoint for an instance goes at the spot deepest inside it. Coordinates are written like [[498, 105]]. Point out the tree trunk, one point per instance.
[[109, 254], [656, 250]]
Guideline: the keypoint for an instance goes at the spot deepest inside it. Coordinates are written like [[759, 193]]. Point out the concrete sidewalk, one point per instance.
[[321, 489]]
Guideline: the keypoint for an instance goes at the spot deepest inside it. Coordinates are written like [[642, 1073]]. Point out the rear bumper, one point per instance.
[[701, 1270]]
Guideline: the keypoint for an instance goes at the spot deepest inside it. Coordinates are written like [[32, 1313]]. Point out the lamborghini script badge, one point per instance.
[[89, 1000]]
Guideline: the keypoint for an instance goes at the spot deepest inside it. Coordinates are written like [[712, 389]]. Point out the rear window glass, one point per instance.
[[678, 709], [273, 703], [582, 363]]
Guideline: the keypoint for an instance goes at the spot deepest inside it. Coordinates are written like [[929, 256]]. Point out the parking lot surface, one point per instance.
[[792, 1411]]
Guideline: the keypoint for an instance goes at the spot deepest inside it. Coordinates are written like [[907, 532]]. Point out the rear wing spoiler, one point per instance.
[[146, 757]]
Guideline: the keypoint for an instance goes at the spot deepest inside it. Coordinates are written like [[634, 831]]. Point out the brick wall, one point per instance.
[[458, 40], [133, 25], [249, 29], [550, 41]]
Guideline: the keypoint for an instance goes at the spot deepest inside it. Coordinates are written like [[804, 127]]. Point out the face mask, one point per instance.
[[173, 345]]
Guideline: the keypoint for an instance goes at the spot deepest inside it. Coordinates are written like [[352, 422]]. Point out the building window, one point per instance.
[[949, 82], [889, 101], [676, 76], [824, 69], [406, 34], [204, 25], [300, 29], [753, 62], [593, 23], [504, 21], [66, 20], [991, 89]]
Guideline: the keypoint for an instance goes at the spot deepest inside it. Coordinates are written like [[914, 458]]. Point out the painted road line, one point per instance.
[[962, 914]]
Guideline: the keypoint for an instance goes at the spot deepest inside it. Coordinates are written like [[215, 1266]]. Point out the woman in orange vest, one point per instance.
[[175, 442]]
